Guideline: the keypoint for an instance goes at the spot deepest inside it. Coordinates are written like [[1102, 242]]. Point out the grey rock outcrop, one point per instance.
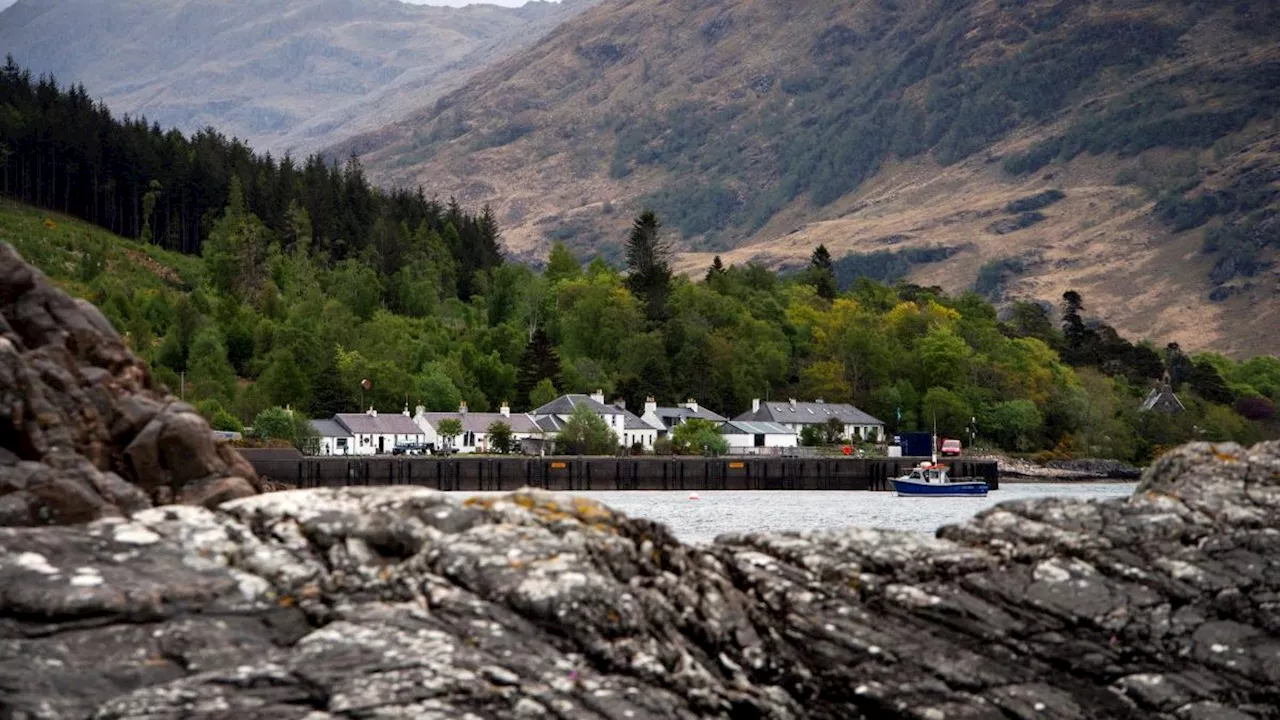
[[404, 602], [84, 433]]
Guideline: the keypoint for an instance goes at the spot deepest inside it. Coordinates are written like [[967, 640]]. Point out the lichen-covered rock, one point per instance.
[[405, 602], [84, 434]]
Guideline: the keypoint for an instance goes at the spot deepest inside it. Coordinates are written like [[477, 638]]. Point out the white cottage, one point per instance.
[[857, 424], [665, 419], [374, 434], [334, 439], [747, 437], [475, 428], [630, 428]]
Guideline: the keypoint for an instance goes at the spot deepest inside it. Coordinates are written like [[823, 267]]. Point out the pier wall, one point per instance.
[[561, 474]]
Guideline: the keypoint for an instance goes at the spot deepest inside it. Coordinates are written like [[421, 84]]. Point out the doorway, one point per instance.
[[382, 444]]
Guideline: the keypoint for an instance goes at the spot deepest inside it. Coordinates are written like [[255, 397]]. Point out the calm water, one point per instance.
[[766, 511]]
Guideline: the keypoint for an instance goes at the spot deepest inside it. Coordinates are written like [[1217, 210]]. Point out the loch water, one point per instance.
[[717, 512]]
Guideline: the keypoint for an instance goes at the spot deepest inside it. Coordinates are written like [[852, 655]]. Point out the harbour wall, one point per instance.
[[568, 474]]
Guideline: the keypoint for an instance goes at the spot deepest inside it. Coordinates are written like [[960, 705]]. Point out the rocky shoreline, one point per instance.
[[403, 602], [406, 602], [1013, 470]]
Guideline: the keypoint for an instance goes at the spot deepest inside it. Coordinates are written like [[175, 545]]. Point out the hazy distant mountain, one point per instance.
[[282, 74]]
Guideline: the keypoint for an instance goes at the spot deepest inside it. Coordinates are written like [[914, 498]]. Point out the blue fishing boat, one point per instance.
[[933, 480]]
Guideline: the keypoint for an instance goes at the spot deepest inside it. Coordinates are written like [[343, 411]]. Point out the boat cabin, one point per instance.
[[932, 474]]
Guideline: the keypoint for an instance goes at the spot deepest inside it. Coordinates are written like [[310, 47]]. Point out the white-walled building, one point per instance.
[[746, 437], [630, 428], [475, 428], [334, 439], [858, 425], [665, 419], [374, 434]]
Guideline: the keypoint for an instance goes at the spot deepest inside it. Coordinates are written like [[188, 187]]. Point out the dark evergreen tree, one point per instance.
[[538, 362], [649, 265], [822, 273], [716, 270], [1076, 337]]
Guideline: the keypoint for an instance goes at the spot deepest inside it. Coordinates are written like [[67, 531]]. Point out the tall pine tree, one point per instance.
[[649, 265], [822, 273], [538, 362]]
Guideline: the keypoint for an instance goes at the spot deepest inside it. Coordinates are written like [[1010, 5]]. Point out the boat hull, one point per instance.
[[911, 488]]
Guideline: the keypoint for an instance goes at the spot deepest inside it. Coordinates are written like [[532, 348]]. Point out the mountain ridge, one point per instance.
[[758, 131], [284, 75]]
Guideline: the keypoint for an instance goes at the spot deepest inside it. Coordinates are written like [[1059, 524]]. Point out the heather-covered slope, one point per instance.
[[759, 129]]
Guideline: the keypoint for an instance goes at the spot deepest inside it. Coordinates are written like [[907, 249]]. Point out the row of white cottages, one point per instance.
[[766, 425]]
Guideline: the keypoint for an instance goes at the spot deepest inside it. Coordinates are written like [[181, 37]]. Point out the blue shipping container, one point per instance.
[[916, 444]]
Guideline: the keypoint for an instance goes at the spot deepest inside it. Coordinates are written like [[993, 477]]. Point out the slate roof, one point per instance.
[[365, 424], [329, 428], [1162, 400], [746, 427], [478, 422], [633, 422], [565, 404], [684, 413], [808, 413], [551, 424]]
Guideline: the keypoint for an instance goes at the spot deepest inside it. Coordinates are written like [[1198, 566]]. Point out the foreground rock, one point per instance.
[[402, 602], [84, 433]]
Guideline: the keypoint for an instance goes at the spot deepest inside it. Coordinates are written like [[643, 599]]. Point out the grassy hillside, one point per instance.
[[759, 129], [82, 258]]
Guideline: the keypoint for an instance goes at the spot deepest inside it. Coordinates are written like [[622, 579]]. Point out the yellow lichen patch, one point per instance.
[[524, 501], [589, 510], [1226, 457], [286, 601], [478, 502], [517, 564]]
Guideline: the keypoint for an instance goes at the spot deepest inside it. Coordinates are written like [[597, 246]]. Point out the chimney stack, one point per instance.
[[598, 396], [650, 405], [406, 410], [691, 404], [462, 407], [372, 412], [755, 405], [505, 409], [793, 403]]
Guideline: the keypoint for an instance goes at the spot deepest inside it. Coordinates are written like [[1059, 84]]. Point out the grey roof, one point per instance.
[[565, 404], [685, 413], [631, 421], [363, 423], [1162, 399], [746, 427], [477, 422], [550, 423], [808, 413], [329, 428]]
